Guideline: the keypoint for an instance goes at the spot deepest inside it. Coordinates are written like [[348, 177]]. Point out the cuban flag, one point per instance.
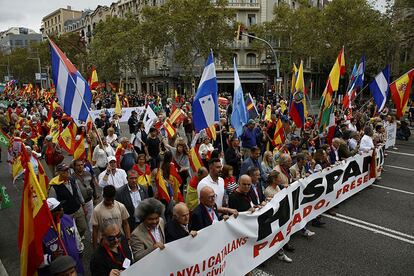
[[72, 89], [205, 104], [379, 88]]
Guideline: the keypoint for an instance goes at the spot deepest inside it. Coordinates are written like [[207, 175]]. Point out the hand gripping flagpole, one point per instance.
[[83, 101]]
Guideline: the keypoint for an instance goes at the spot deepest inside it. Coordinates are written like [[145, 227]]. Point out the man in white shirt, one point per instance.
[[214, 181], [112, 175], [366, 142]]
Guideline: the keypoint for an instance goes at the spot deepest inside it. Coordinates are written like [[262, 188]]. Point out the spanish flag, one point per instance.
[[175, 181], [93, 81], [169, 128], [162, 188], [34, 219], [400, 92], [279, 136], [79, 151], [195, 160], [211, 132], [66, 139]]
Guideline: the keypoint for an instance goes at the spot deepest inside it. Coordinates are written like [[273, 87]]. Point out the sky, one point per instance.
[[29, 13]]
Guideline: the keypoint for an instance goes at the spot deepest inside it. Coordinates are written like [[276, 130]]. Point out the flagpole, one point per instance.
[[83, 101]]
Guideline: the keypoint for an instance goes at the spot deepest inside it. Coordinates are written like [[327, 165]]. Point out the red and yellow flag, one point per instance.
[[195, 160], [175, 182], [34, 219], [279, 136], [169, 128], [66, 138], [400, 92], [211, 132], [93, 81], [162, 188], [79, 151], [177, 116]]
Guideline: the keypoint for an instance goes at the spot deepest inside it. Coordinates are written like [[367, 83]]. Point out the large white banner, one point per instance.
[[126, 112], [391, 130], [237, 246]]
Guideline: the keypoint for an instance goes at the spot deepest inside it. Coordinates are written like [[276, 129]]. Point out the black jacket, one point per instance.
[[200, 218], [233, 160], [174, 231], [123, 195]]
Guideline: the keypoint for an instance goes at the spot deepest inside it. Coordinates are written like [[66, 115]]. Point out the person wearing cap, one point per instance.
[[64, 189], [63, 266], [249, 138], [69, 242], [112, 175]]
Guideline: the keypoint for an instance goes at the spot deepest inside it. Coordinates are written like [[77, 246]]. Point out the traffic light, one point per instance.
[[239, 32]]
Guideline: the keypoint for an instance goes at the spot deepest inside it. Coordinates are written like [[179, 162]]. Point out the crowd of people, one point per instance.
[[114, 197]]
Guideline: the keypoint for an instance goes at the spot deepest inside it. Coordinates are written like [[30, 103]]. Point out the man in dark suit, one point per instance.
[[205, 213], [233, 156], [178, 227], [256, 191], [131, 196]]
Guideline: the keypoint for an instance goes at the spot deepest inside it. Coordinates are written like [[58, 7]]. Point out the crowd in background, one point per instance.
[[113, 200]]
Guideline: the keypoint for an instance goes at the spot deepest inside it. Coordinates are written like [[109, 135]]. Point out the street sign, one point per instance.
[[40, 76]]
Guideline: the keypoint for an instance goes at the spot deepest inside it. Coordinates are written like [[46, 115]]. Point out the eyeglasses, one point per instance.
[[212, 196], [113, 238]]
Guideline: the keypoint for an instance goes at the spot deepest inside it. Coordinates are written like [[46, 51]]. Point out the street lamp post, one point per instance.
[[40, 70]]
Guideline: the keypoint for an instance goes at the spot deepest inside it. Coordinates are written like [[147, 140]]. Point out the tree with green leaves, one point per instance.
[[190, 28], [119, 46]]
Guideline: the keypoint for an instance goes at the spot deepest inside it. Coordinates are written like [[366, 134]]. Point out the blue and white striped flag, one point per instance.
[[72, 89], [239, 115], [205, 104], [379, 88]]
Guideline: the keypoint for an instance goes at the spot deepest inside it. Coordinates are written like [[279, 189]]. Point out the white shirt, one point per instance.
[[352, 143], [135, 197], [117, 180], [352, 127], [366, 144], [218, 188], [101, 156]]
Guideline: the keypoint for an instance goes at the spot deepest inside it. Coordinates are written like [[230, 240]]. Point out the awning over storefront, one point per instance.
[[226, 77]]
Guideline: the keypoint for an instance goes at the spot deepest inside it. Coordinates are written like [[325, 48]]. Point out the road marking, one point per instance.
[[359, 223], [401, 168], [401, 153], [393, 189]]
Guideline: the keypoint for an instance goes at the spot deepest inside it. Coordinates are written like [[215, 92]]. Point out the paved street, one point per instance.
[[373, 233]]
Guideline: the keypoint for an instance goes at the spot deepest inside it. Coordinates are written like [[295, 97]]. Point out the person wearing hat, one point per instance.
[[69, 243], [112, 175], [63, 266], [64, 189]]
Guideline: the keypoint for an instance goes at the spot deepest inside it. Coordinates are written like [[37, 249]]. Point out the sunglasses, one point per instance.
[[113, 238]]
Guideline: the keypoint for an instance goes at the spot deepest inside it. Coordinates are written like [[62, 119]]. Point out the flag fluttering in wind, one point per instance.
[[72, 89], [298, 104], [251, 107], [400, 92], [93, 81], [332, 85], [356, 82], [379, 88], [118, 106], [35, 218], [239, 115], [205, 105]]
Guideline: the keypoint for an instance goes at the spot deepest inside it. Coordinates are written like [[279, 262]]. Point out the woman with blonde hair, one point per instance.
[[268, 163]]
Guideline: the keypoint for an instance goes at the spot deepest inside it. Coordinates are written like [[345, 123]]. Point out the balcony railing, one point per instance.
[[243, 5]]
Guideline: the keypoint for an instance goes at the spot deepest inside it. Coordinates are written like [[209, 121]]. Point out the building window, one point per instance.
[[59, 18], [60, 28], [251, 59], [18, 42], [251, 19]]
